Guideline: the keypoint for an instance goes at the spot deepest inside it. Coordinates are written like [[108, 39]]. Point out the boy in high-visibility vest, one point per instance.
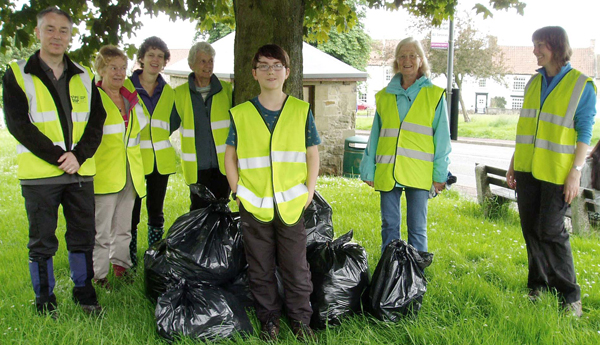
[[272, 163]]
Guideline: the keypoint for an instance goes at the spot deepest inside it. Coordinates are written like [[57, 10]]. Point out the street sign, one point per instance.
[[439, 36]]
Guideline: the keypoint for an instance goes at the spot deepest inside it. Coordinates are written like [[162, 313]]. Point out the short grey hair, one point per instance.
[[424, 69], [203, 47]]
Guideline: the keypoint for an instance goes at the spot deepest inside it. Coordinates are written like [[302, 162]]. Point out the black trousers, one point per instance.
[[215, 182], [542, 209], [41, 204], [266, 245], [156, 189]]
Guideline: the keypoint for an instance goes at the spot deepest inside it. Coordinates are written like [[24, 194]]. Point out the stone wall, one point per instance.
[[335, 117]]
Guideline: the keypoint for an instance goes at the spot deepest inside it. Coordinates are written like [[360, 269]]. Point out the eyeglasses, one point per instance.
[[410, 56], [265, 67]]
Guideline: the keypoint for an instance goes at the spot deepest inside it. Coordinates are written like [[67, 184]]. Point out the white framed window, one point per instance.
[[519, 84], [389, 73], [482, 83], [362, 97], [517, 102]]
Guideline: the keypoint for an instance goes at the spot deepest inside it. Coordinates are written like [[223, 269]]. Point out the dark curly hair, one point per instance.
[[153, 43]]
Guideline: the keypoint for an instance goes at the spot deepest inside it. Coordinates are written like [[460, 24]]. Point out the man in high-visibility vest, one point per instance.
[[272, 163], [202, 109], [54, 110]]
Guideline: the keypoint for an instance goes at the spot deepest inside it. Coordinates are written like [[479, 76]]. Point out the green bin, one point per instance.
[[353, 152]]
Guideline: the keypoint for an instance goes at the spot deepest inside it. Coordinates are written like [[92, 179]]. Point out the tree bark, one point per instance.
[[462, 103], [263, 22]]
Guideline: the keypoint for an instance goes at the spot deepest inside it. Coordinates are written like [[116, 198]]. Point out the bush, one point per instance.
[[498, 102]]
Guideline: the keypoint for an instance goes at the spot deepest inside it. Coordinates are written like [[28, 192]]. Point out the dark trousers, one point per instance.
[[542, 209], [156, 189], [215, 182], [266, 245]]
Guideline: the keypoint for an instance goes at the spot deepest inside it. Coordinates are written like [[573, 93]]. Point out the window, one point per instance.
[[362, 97], [517, 102], [308, 95], [388, 74], [482, 82], [519, 84]]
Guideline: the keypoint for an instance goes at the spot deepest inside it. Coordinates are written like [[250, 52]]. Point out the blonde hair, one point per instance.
[[105, 55], [424, 69]]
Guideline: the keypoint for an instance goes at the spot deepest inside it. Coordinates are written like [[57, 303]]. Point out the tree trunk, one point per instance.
[[263, 22], [462, 103]]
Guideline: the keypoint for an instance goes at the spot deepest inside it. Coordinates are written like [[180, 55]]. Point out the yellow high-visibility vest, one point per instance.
[[272, 167], [405, 151], [44, 115], [155, 143], [120, 146], [219, 123], [546, 136]]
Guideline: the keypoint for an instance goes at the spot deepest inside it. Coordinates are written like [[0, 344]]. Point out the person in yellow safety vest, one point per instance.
[[553, 135], [120, 170], [202, 110], [272, 163], [54, 111], [157, 152], [408, 146]]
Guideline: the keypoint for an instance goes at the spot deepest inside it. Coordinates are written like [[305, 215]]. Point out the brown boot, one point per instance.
[[270, 330], [303, 332]]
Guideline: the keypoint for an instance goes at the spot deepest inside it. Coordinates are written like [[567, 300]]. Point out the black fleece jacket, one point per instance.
[[16, 112]]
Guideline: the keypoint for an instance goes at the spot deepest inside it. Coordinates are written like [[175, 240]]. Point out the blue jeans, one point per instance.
[[416, 216]]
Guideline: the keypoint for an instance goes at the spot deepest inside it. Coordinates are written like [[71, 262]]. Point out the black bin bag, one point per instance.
[[205, 245], [398, 283], [318, 221], [157, 272], [340, 275], [201, 312]]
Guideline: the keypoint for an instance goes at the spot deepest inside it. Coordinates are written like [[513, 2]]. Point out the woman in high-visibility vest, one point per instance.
[[157, 152], [409, 145], [553, 135], [119, 169]]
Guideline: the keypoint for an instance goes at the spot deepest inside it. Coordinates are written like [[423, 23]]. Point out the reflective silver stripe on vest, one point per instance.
[[113, 129], [23, 149], [80, 116], [575, 96], [525, 139], [554, 147], [46, 116], [187, 133], [412, 127], [291, 193], [557, 120], [385, 159], [529, 83], [188, 157], [528, 112], [219, 124], [139, 112], [221, 148], [254, 163], [134, 141], [85, 78], [288, 156], [243, 192], [401, 151], [389, 133], [161, 145], [160, 124], [146, 144]]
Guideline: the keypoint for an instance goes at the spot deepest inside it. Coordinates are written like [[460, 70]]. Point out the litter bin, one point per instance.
[[353, 151]]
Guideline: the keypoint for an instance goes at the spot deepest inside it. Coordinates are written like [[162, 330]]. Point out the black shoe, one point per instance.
[[303, 332], [534, 295], [270, 330], [47, 306], [92, 309]]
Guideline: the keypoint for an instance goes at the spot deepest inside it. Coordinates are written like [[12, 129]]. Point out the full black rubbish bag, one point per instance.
[[340, 275], [200, 311], [318, 221], [158, 275], [398, 283]]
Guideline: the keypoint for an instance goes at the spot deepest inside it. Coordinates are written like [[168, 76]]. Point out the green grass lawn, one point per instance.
[[476, 292], [502, 127]]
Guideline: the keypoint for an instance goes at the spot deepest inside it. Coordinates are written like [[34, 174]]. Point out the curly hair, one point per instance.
[[153, 43], [106, 54]]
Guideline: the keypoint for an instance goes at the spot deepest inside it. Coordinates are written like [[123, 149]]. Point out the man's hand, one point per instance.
[[68, 163], [571, 187]]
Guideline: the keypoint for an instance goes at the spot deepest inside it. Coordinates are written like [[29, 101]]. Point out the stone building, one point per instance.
[[330, 86]]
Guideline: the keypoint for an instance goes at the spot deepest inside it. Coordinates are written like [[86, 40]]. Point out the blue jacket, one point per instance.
[[441, 135]]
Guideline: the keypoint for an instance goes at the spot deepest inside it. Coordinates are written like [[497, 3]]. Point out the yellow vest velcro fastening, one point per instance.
[[546, 136], [219, 123], [44, 115], [272, 167], [120, 148], [155, 143], [405, 151]]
